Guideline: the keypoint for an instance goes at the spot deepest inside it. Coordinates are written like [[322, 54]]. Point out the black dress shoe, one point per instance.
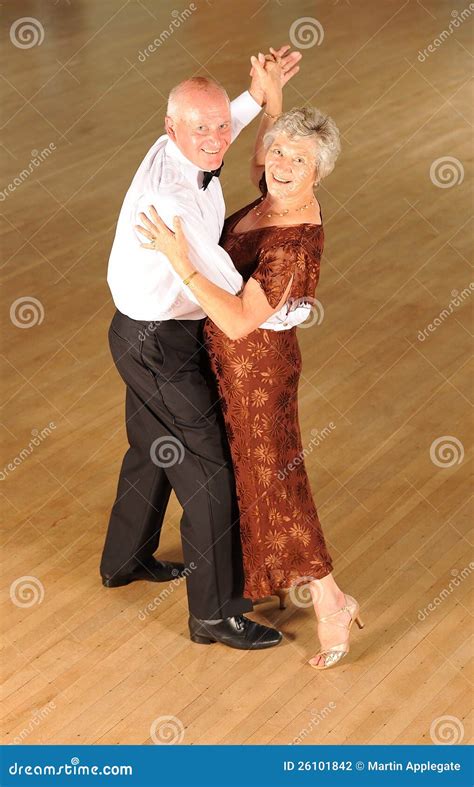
[[237, 632], [152, 570]]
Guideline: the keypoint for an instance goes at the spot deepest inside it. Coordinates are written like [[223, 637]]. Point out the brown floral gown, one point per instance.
[[257, 376]]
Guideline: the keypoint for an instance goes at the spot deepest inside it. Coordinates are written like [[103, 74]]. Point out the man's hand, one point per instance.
[[269, 78], [288, 62]]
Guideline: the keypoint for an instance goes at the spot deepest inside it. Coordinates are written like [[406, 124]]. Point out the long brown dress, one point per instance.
[[258, 375]]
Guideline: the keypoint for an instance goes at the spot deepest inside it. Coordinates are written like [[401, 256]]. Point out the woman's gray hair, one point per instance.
[[309, 122]]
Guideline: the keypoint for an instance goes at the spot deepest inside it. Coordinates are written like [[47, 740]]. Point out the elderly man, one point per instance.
[[174, 425]]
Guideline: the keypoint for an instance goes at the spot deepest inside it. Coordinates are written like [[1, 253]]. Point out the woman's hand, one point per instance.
[[288, 60], [173, 244], [269, 74]]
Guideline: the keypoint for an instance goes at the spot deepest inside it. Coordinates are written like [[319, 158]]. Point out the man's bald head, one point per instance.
[[191, 90], [198, 121]]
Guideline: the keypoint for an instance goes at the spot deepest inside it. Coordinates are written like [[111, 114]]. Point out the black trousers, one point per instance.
[[177, 441]]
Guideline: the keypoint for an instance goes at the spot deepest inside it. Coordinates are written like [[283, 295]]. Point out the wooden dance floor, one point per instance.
[[385, 397]]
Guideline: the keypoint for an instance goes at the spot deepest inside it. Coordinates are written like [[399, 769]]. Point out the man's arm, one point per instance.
[[243, 110]]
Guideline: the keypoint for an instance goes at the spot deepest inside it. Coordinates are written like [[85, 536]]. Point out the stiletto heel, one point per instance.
[[280, 594], [334, 654]]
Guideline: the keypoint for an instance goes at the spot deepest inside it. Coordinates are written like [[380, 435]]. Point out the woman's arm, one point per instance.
[[236, 315], [270, 77]]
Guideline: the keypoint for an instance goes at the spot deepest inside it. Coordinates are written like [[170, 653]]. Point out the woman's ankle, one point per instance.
[[328, 600]]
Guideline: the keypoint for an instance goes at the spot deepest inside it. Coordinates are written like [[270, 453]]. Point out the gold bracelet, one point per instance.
[[273, 117], [188, 278]]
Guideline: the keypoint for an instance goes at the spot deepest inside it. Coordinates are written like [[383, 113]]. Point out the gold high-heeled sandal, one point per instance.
[[333, 655]]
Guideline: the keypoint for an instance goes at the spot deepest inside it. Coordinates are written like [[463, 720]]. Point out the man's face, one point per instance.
[[202, 127]]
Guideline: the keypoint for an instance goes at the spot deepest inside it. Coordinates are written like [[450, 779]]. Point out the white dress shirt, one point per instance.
[[143, 283]]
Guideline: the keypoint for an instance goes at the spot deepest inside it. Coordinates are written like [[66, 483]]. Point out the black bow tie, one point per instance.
[[207, 176]]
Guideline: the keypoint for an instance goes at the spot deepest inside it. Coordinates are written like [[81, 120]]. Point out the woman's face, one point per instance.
[[290, 166]]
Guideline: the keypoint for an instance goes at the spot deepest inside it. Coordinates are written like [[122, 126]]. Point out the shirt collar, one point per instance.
[[195, 172]]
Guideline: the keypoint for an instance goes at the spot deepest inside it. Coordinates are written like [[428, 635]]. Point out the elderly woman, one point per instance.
[[276, 243]]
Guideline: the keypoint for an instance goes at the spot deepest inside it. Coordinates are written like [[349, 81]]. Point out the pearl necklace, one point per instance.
[[283, 213]]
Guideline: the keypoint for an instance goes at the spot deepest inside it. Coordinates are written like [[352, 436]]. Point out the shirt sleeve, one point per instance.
[[278, 266], [243, 110]]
